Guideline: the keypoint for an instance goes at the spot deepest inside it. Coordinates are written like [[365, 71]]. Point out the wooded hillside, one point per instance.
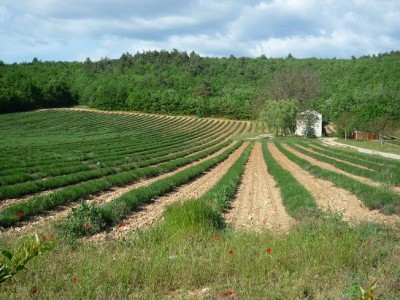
[[179, 83]]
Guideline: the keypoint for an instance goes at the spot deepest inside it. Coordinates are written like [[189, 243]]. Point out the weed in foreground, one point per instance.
[[13, 262], [321, 257]]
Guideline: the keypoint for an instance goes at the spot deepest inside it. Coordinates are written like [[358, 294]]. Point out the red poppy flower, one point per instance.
[[33, 291], [269, 250], [44, 237], [216, 237], [230, 251], [121, 224], [264, 221], [52, 235], [20, 214], [230, 293], [74, 278], [86, 225]]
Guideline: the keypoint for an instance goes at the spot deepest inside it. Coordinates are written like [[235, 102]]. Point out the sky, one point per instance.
[[73, 30]]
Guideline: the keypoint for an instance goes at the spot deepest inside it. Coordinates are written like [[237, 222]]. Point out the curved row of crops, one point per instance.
[[74, 154]]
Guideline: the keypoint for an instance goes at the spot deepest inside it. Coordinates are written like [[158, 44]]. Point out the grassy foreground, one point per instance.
[[321, 257]]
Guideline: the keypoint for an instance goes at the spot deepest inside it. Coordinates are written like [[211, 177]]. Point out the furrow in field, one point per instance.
[[329, 167], [253, 129], [334, 158], [258, 203], [151, 213], [73, 180], [34, 223], [332, 148], [330, 197], [8, 202], [116, 192]]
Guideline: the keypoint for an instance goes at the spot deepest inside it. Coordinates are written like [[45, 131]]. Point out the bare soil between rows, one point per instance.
[[38, 222], [329, 167], [332, 168], [331, 198], [334, 158], [153, 212], [258, 203]]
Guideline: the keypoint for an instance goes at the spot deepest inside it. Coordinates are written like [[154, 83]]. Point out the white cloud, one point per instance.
[[59, 30], [339, 43]]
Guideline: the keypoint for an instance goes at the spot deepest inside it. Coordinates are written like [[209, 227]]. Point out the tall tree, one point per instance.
[[292, 83], [383, 126], [279, 116], [346, 123]]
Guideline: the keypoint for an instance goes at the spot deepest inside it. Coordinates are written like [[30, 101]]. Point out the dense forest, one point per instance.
[[180, 83]]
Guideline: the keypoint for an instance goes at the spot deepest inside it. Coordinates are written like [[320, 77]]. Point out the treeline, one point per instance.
[[34, 85], [180, 83]]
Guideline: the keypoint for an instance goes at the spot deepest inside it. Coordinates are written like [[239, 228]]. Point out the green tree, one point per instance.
[[383, 126], [346, 123], [56, 93], [292, 83], [279, 116]]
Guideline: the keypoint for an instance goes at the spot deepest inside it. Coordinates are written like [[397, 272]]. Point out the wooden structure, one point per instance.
[[361, 135]]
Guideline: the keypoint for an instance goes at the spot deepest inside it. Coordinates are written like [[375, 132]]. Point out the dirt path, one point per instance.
[[36, 223], [332, 142], [258, 204], [329, 197], [151, 213], [332, 148]]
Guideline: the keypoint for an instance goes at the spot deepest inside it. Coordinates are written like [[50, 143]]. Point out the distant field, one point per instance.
[[51, 158]]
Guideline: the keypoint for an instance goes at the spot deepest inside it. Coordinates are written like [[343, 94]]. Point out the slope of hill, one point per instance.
[[180, 83]]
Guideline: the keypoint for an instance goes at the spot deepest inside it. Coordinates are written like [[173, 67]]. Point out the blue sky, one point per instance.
[[70, 30]]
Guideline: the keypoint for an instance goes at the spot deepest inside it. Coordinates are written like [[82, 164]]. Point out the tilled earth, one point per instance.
[[330, 197], [258, 203]]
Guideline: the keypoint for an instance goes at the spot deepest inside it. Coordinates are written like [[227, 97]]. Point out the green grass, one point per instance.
[[320, 258], [344, 166], [394, 142], [373, 197], [388, 173], [192, 254], [373, 160], [371, 145]]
